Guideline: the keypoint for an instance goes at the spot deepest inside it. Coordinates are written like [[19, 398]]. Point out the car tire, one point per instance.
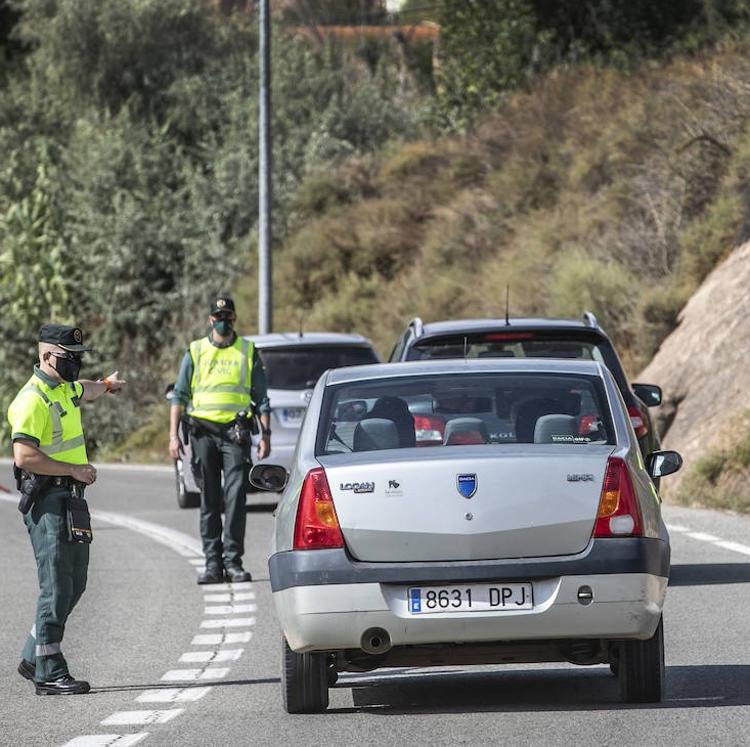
[[641, 669], [304, 681], [185, 498]]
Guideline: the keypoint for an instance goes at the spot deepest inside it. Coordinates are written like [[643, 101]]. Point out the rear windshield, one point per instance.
[[503, 345], [464, 410], [301, 367]]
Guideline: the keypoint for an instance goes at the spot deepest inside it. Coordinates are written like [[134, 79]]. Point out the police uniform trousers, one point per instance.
[[62, 568], [216, 454]]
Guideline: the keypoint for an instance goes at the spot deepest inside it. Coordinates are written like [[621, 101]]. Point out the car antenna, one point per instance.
[[466, 348], [507, 305], [301, 321]]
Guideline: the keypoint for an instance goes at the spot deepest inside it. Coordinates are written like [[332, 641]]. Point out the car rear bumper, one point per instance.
[[326, 600], [335, 617]]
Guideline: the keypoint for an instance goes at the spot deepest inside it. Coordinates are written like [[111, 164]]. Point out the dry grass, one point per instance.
[[596, 188]]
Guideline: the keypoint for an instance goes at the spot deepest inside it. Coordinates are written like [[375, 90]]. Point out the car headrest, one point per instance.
[[375, 433], [456, 431], [553, 429]]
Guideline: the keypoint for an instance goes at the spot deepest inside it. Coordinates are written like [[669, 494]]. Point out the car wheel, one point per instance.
[[304, 681], [641, 669], [185, 498]]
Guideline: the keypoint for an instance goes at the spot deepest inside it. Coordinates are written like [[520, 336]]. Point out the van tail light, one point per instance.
[[465, 438], [619, 514], [429, 431], [638, 421], [317, 525]]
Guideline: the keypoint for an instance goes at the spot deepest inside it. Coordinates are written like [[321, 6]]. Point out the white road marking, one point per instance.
[[677, 528], [230, 609], [180, 542], [230, 622], [736, 546], [236, 597], [216, 639], [192, 675], [245, 586], [214, 673], [703, 537], [122, 718], [107, 740], [226, 654], [173, 695]]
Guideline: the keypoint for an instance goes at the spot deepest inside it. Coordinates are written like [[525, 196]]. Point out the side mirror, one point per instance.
[[269, 477], [168, 391], [663, 463], [649, 394]]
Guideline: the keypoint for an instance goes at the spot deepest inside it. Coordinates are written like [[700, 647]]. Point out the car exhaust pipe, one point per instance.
[[375, 641]]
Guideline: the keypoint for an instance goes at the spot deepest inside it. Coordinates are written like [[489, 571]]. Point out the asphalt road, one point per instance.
[[205, 671]]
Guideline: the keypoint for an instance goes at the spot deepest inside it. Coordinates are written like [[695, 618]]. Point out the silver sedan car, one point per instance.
[[457, 512]]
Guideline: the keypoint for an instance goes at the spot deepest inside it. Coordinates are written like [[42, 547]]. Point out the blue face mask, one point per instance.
[[222, 327]]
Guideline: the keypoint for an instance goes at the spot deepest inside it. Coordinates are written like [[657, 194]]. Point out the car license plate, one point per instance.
[[424, 600], [292, 415]]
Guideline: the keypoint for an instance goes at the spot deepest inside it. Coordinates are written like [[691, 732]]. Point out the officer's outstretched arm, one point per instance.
[[30, 458], [94, 389]]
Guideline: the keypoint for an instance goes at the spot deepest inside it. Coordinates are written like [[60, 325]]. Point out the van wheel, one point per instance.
[[185, 498], [304, 681], [641, 669]]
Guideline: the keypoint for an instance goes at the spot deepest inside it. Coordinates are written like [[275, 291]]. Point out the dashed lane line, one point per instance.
[[107, 740], [711, 539], [130, 718], [216, 639], [173, 695], [230, 609], [193, 675], [229, 622], [211, 657]]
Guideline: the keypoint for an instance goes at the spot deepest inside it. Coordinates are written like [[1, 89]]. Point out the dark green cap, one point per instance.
[[68, 338]]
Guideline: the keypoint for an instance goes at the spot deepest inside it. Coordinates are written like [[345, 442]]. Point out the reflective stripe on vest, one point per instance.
[[222, 379], [76, 441]]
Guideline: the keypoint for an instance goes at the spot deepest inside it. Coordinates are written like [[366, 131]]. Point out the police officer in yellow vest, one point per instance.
[[49, 449], [220, 382]]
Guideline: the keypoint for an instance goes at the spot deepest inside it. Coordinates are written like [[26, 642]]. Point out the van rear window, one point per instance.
[[464, 410]]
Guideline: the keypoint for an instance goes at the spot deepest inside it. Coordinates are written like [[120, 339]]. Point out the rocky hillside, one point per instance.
[[703, 368]]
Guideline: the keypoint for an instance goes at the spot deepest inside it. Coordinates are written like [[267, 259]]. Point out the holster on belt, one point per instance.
[[30, 486]]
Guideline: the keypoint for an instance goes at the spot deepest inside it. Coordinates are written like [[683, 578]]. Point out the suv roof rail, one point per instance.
[[417, 325], [590, 319]]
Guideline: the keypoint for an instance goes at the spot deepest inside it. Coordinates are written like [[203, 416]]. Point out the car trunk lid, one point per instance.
[[529, 501]]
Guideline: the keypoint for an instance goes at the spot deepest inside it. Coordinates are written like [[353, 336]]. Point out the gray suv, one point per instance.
[[533, 338], [293, 364]]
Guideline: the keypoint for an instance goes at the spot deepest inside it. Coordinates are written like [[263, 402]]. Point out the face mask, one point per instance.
[[222, 326], [68, 368]]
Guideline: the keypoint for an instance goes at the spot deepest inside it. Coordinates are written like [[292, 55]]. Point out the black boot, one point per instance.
[[65, 685], [214, 574], [27, 670], [236, 574]]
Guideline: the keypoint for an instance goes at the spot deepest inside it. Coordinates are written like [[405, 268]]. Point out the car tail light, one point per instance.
[[429, 431], [317, 525], [619, 514], [638, 421], [507, 336], [588, 424], [465, 438]]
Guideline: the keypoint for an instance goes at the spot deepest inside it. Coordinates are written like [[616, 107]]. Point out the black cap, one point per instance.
[[65, 337], [221, 302]]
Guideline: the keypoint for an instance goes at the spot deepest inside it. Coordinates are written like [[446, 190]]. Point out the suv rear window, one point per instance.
[[300, 367], [463, 410]]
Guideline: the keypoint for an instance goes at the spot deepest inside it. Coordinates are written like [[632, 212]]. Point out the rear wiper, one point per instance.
[[335, 436]]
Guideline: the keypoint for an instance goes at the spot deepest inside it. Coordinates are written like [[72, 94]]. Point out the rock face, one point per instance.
[[704, 365]]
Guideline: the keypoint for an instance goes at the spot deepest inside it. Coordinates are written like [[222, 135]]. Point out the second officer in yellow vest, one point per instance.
[[221, 380]]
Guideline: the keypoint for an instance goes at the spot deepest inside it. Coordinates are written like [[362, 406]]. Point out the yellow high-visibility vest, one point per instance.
[[222, 378], [51, 416]]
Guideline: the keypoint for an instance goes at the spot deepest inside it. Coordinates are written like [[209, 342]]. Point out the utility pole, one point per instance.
[[265, 300]]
